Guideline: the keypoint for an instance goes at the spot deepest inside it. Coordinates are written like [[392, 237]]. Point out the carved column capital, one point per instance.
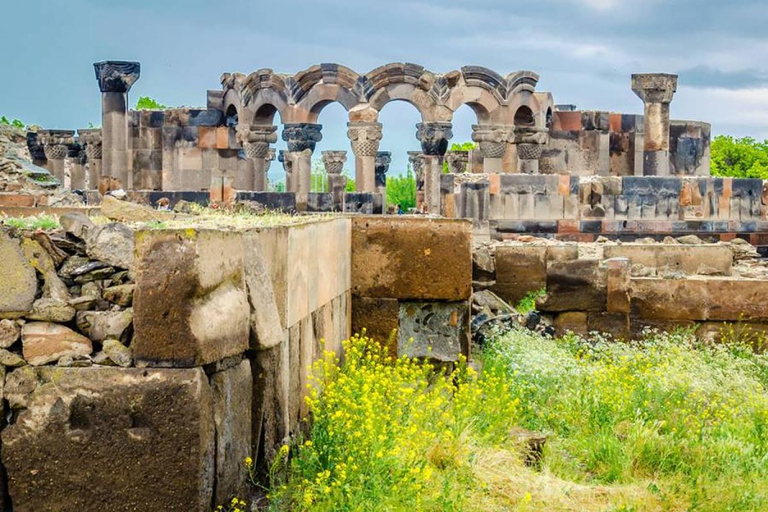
[[434, 137], [256, 139], [56, 143], [654, 87], [365, 137], [334, 161], [416, 159], [91, 140], [302, 136], [116, 76], [491, 139], [457, 161], [268, 159]]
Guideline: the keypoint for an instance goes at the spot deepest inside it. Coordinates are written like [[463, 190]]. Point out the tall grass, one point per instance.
[[662, 424]]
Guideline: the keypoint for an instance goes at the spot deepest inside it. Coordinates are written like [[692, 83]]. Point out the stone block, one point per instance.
[[578, 285], [687, 258], [282, 201], [411, 258], [190, 303], [45, 342], [87, 436], [669, 299], [380, 318], [269, 419], [614, 324], [232, 391], [367, 203], [18, 280], [737, 299], [266, 329], [438, 331], [571, 321], [520, 269]]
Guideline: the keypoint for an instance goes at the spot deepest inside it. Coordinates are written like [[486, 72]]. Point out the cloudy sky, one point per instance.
[[584, 50]]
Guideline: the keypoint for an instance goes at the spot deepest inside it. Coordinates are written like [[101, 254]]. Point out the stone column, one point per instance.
[[337, 184], [383, 159], [365, 138], [656, 91], [268, 159], [284, 158], [492, 140], [115, 80], [416, 159], [301, 139], [434, 139], [255, 141], [56, 144], [91, 140], [76, 167], [530, 145]]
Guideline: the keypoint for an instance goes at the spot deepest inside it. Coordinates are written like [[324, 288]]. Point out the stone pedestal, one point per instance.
[[383, 159], [115, 80], [255, 141], [656, 90], [337, 184], [90, 139], [365, 138], [434, 139], [492, 140], [56, 144], [301, 139]]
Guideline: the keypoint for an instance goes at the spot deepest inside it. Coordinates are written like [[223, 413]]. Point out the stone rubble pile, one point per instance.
[[71, 295], [491, 314]]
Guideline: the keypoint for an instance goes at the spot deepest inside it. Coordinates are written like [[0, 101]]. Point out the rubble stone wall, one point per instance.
[[621, 289]]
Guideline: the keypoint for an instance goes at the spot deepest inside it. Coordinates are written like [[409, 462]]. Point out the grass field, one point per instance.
[[663, 424]]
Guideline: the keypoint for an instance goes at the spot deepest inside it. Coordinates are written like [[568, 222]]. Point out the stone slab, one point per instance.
[[18, 280], [687, 258]]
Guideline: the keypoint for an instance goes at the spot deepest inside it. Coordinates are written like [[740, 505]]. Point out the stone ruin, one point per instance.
[[540, 168], [150, 360]]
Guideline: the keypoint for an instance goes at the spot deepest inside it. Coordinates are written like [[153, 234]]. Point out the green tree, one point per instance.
[[147, 103], [739, 158], [402, 190]]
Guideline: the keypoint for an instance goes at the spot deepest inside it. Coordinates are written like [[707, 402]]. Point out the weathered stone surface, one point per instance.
[[10, 331], [434, 330], [380, 318], [670, 299], [232, 396], [118, 353], [686, 258], [519, 269], [571, 321], [614, 324], [8, 358], [126, 211], [101, 325], [73, 420], [122, 295], [411, 258], [51, 310], [75, 266], [578, 285], [76, 224], [112, 244], [265, 324], [18, 281], [44, 342], [271, 385], [191, 304]]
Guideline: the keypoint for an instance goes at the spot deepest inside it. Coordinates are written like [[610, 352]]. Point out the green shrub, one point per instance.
[[147, 103], [528, 302], [14, 122], [739, 158]]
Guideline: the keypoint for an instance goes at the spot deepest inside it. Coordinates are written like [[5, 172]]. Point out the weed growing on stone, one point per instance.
[[45, 222], [528, 302]]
